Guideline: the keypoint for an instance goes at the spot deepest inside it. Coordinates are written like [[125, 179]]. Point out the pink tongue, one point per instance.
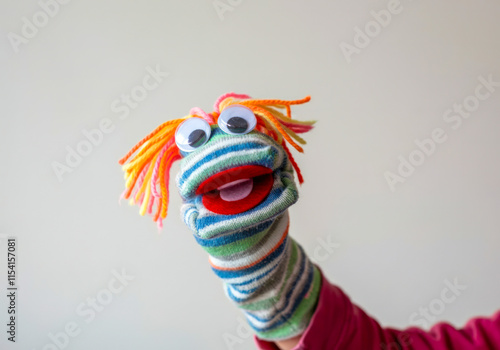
[[236, 190]]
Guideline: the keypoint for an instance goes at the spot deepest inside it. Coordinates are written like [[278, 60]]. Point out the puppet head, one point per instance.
[[236, 168]]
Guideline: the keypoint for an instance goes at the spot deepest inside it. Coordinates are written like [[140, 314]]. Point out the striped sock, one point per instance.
[[265, 272]]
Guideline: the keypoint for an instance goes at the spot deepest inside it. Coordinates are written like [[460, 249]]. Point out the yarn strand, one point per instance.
[[148, 163]]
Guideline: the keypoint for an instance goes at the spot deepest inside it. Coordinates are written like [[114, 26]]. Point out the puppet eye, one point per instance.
[[192, 133], [237, 120]]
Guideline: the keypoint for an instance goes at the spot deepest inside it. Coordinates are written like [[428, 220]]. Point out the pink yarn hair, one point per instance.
[[223, 97], [201, 113]]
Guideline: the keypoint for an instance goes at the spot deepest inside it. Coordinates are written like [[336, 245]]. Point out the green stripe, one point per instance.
[[223, 141], [237, 246], [267, 303], [287, 198], [301, 317], [194, 181]]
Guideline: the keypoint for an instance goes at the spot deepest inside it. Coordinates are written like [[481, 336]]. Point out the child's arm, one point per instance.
[[289, 344], [339, 324], [237, 181]]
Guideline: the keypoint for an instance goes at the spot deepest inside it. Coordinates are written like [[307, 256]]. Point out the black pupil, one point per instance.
[[197, 138], [237, 125]]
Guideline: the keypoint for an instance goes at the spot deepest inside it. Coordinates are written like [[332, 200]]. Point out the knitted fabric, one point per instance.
[[237, 182], [265, 272]]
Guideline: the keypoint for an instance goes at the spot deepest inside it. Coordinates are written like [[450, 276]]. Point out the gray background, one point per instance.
[[394, 249]]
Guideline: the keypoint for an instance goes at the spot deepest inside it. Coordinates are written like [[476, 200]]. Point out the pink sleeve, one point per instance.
[[338, 324]]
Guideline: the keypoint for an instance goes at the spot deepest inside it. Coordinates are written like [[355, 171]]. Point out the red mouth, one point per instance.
[[236, 190]]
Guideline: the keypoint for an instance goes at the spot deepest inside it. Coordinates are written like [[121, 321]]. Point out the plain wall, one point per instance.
[[391, 251]]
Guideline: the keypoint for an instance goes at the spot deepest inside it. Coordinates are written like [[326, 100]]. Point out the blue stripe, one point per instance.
[[254, 279], [203, 222], [240, 273], [266, 161], [289, 293], [231, 238], [250, 291], [238, 300], [285, 317], [215, 131]]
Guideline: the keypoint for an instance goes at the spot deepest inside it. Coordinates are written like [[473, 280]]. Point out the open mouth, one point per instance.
[[236, 190]]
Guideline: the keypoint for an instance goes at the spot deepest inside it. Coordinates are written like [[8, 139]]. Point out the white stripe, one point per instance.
[[276, 231], [289, 285], [214, 161], [253, 275], [298, 288], [240, 221], [211, 147], [236, 290], [215, 146]]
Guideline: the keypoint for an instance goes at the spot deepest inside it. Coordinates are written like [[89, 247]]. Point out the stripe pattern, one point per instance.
[[265, 272]]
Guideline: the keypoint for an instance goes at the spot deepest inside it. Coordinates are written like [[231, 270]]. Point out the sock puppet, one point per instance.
[[236, 180]]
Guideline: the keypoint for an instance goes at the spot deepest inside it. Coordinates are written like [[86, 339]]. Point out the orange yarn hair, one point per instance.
[[155, 154]]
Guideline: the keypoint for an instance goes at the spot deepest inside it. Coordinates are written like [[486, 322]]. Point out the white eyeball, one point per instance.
[[237, 120], [192, 133]]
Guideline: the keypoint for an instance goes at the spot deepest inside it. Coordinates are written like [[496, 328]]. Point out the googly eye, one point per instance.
[[192, 133], [237, 120]]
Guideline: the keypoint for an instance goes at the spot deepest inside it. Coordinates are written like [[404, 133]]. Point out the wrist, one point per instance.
[[288, 344]]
